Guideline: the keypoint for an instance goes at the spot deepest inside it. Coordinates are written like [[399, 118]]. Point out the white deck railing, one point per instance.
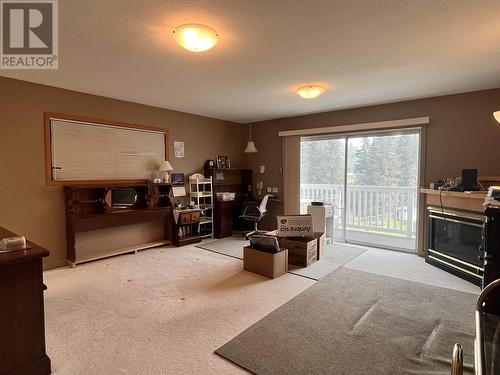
[[380, 209]]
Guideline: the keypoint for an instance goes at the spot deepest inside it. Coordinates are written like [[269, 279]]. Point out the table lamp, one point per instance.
[[166, 168]]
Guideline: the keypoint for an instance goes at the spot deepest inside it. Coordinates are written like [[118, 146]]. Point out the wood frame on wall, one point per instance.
[[48, 147]]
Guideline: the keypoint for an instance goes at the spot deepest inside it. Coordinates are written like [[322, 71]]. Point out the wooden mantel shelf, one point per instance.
[[458, 194], [454, 199]]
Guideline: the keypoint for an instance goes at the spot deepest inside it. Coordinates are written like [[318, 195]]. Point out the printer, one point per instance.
[[493, 197]]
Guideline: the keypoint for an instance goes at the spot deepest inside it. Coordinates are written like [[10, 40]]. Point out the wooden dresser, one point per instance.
[[22, 327]]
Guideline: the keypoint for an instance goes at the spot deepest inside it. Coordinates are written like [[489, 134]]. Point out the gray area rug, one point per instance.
[[336, 255], [358, 323]]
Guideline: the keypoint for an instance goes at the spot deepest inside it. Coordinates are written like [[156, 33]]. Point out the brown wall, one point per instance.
[[28, 206], [462, 133]]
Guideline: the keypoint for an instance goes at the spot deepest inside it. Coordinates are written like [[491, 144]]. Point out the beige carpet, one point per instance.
[[408, 267], [230, 246], [162, 311], [383, 262], [336, 255]]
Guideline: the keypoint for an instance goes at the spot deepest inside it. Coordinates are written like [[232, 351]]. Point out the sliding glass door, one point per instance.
[[371, 182], [382, 188], [322, 178]]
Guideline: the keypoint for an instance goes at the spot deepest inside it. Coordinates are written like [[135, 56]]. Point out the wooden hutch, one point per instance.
[[88, 208], [226, 213]]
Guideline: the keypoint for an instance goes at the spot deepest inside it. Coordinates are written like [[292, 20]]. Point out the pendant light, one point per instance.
[[250, 145], [497, 115]]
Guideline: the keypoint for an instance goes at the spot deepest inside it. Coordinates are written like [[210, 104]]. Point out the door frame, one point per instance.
[[420, 130]]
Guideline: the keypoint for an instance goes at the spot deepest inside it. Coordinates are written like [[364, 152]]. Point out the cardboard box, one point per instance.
[[321, 237], [302, 251], [295, 225], [265, 264]]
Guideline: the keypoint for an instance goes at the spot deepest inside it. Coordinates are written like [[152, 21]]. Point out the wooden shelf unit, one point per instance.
[[187, 228], [87, 210], [159, 195], [201, 192]]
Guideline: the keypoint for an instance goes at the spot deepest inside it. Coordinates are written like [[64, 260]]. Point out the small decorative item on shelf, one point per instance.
[[165, 169], [178, 185], [226, 196], [223, 162], [157, 177], [210, 164]]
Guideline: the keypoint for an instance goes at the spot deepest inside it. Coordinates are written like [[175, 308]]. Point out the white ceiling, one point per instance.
[[365, 51]]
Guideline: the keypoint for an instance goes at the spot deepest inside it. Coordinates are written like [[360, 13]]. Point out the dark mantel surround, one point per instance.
[[455, 236]]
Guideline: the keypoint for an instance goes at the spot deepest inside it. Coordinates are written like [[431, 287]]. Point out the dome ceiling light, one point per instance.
[[311, 91], [195, 37]]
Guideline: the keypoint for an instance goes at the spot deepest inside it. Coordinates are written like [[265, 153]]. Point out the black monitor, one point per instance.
[[469, 180], [123, 197]]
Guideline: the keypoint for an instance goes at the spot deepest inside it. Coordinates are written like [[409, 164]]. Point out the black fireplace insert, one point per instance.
[[454, 242]]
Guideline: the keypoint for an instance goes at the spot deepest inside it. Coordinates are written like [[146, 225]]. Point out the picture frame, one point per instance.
[[178, 149], [223, 162], [178, 179]]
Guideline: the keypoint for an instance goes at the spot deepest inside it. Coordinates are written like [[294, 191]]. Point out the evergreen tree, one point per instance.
[[362, 170], [374, 161], [322, 162]]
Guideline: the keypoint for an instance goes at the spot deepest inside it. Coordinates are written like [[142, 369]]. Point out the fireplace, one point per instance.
[[454, 240]]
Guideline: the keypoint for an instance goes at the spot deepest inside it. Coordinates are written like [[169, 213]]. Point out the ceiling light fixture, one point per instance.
[[195, 37], [311, 91], [497, 115]]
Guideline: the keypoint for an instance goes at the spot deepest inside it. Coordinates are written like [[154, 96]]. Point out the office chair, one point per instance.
[[255, 214]]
